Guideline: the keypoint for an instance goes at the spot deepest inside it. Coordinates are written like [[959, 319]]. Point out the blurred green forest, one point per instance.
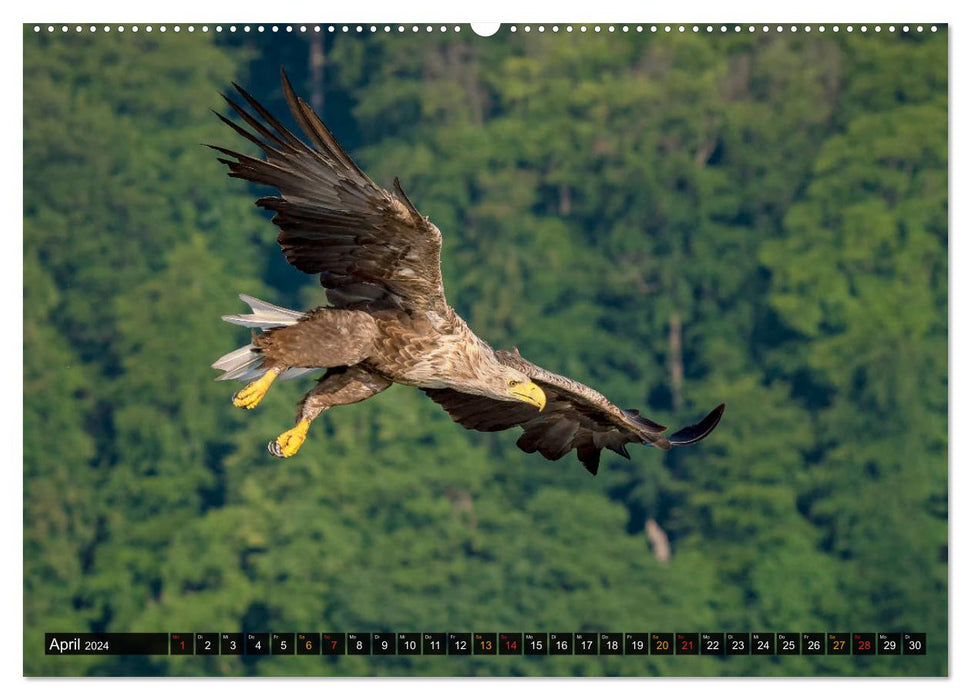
[[676, 220]]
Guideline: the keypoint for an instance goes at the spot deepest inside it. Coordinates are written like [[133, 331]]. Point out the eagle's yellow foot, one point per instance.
[[289, 442], [250, 395]]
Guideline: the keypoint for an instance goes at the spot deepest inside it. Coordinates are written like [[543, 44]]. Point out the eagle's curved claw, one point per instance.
[[289, 443]]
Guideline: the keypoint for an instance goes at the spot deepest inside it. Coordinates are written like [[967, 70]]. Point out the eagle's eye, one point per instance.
[[511, 383]]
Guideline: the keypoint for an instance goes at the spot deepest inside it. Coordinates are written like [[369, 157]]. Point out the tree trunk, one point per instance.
[[675, 360], [317, 72], [659, 541], [565, 202]]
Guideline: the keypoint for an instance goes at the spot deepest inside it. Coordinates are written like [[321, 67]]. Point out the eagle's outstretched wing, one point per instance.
[[371, 247], [575, 417]]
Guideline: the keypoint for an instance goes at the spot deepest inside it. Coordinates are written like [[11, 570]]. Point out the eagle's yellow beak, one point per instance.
[[530, 393]]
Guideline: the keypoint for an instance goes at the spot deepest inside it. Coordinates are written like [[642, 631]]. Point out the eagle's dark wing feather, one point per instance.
[[371, 248], [575, 417]]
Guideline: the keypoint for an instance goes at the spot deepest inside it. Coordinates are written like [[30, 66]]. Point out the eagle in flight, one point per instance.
[[387, 320]]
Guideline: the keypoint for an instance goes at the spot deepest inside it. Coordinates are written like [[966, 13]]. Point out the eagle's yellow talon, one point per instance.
[[250, 395], [290, 442]]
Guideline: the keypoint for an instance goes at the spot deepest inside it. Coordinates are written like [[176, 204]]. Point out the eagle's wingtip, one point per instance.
[[699, 431]]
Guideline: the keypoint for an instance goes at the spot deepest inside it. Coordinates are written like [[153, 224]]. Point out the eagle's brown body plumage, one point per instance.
[[421, 350], [387, 320]]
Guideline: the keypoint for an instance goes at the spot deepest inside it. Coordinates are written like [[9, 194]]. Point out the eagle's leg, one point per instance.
[[322, 338], [250, 395], [339, 387]]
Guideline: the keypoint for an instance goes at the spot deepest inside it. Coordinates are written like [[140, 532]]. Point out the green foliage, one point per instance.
[[675, 220], [872, 335]]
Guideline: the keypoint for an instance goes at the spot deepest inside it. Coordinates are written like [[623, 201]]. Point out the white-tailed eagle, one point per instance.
[[387, 320]]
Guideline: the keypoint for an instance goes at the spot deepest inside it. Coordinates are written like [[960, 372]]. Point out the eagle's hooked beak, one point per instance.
[[530, 393]]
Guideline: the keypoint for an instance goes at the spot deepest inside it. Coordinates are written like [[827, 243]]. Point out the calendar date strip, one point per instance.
[[487, 643]]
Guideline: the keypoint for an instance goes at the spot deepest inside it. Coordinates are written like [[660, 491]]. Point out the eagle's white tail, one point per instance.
[[244, 363]]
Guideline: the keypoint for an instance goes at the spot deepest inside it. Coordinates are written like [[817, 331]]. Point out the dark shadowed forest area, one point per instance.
[[674, 219]]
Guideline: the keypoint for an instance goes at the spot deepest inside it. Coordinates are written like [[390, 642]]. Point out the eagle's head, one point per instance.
[[484, 374], [518, 387]]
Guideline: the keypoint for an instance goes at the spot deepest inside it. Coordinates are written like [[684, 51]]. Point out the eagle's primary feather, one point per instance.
[[388, 321]]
